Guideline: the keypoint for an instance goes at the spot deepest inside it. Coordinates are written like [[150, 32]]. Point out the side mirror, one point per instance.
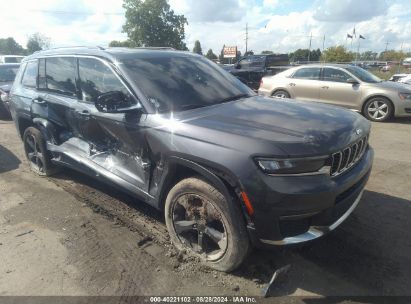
[[352, 81], [115, 102], [238, 66]]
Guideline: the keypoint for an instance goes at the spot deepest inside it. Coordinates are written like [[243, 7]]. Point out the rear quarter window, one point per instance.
[[30, 75]]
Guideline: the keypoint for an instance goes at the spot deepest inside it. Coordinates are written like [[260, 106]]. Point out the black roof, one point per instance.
[[111, 53]]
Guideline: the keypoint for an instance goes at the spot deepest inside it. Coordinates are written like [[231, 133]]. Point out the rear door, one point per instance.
[[57, 94], [304, 84], [335, 89]]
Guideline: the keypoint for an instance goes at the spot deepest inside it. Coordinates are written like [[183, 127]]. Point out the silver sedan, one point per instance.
[[342, 85]]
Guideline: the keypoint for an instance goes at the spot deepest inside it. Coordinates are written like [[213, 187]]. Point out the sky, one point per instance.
[[281, 26]]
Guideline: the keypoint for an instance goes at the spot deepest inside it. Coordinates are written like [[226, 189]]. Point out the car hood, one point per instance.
[[263, 125], [391, 85], [5, 86]]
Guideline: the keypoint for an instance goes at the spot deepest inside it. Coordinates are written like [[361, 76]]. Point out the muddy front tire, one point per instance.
[[36, 152], [201, 220]]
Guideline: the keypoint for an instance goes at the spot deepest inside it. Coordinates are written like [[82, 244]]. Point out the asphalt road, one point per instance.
[[70, 235]]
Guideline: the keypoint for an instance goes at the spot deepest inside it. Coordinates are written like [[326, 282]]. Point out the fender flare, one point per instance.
[[47, 129], [212, 177]]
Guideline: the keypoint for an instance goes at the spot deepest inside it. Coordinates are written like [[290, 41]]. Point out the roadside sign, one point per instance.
[[230, 52]]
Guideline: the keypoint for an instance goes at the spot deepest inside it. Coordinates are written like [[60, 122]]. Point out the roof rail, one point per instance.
[[76, 46]]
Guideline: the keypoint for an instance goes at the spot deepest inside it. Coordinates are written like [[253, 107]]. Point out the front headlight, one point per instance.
[[303, 166], [405, 96]]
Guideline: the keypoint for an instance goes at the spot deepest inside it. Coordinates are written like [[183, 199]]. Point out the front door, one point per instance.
[[335, 89], [117, 140]]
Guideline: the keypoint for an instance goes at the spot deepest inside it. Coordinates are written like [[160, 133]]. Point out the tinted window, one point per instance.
[[12, 59], [97, 78], [8, 73], [181, 82], [30, 74], [363, 74], [245, 63], [61, 75], [257, 61], [335, 75], [42, 84], [307, 73]]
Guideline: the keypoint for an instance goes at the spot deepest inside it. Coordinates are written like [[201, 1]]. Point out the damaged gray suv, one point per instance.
[[230, 169]]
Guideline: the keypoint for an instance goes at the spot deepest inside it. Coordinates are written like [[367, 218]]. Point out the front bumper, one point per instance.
[[314, 232], [403, 108], [292, 210]]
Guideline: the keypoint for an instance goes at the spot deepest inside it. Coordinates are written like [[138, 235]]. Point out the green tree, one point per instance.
[[153, 23], [392, 55], [368, 55], [248, 53], [305, 55], [37, 42], [197, 48], [125, 43], [9, 46], [337, 54], [210, 55]]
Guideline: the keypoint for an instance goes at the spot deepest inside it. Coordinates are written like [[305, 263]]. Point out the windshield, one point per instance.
[[183, 82], [363, 75], [8, 73]]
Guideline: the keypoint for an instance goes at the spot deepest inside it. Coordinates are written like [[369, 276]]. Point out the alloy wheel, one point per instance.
[[199, 225], [378, 110], [34, 154], [280, 95]]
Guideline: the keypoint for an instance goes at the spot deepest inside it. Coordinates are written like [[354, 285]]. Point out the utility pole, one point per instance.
[[309, 47], [246, 38], [386, 46]]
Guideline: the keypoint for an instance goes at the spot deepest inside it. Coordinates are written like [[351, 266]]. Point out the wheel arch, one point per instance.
[[180, 168], [280, 89], [375, 96]]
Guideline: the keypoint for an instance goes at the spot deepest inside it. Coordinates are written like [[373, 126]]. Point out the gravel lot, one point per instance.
[[69, 235]]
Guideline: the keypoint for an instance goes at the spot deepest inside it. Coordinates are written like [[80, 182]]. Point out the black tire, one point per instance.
[[378, 109], [36, 152], [281, 94], [208, 215]]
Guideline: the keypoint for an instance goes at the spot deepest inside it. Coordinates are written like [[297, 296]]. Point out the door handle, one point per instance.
[[84, 113], [39, 100], [292, 84], [324, 87]]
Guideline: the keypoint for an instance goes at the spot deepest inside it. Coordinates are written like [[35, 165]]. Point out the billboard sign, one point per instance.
[[230, 52]]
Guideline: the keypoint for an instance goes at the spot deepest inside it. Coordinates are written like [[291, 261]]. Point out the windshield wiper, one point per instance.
[[190, 106]]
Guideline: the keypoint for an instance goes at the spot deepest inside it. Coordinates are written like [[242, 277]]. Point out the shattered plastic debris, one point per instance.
[[277, 279]]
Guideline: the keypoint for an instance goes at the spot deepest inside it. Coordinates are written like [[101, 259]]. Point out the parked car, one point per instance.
[[229, 168], [7, 74], [252, 68], [386, 68], [401, 78], [10, 58], [342, 85]]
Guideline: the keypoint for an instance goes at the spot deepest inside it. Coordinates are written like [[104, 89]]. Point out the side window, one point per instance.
[[61, 75], [42, 83], [96, 78], [30, 74], [335, 75], [245, 63], [307, 73]]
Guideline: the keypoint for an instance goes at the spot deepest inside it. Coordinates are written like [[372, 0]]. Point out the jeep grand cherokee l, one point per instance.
[[229, 168]]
